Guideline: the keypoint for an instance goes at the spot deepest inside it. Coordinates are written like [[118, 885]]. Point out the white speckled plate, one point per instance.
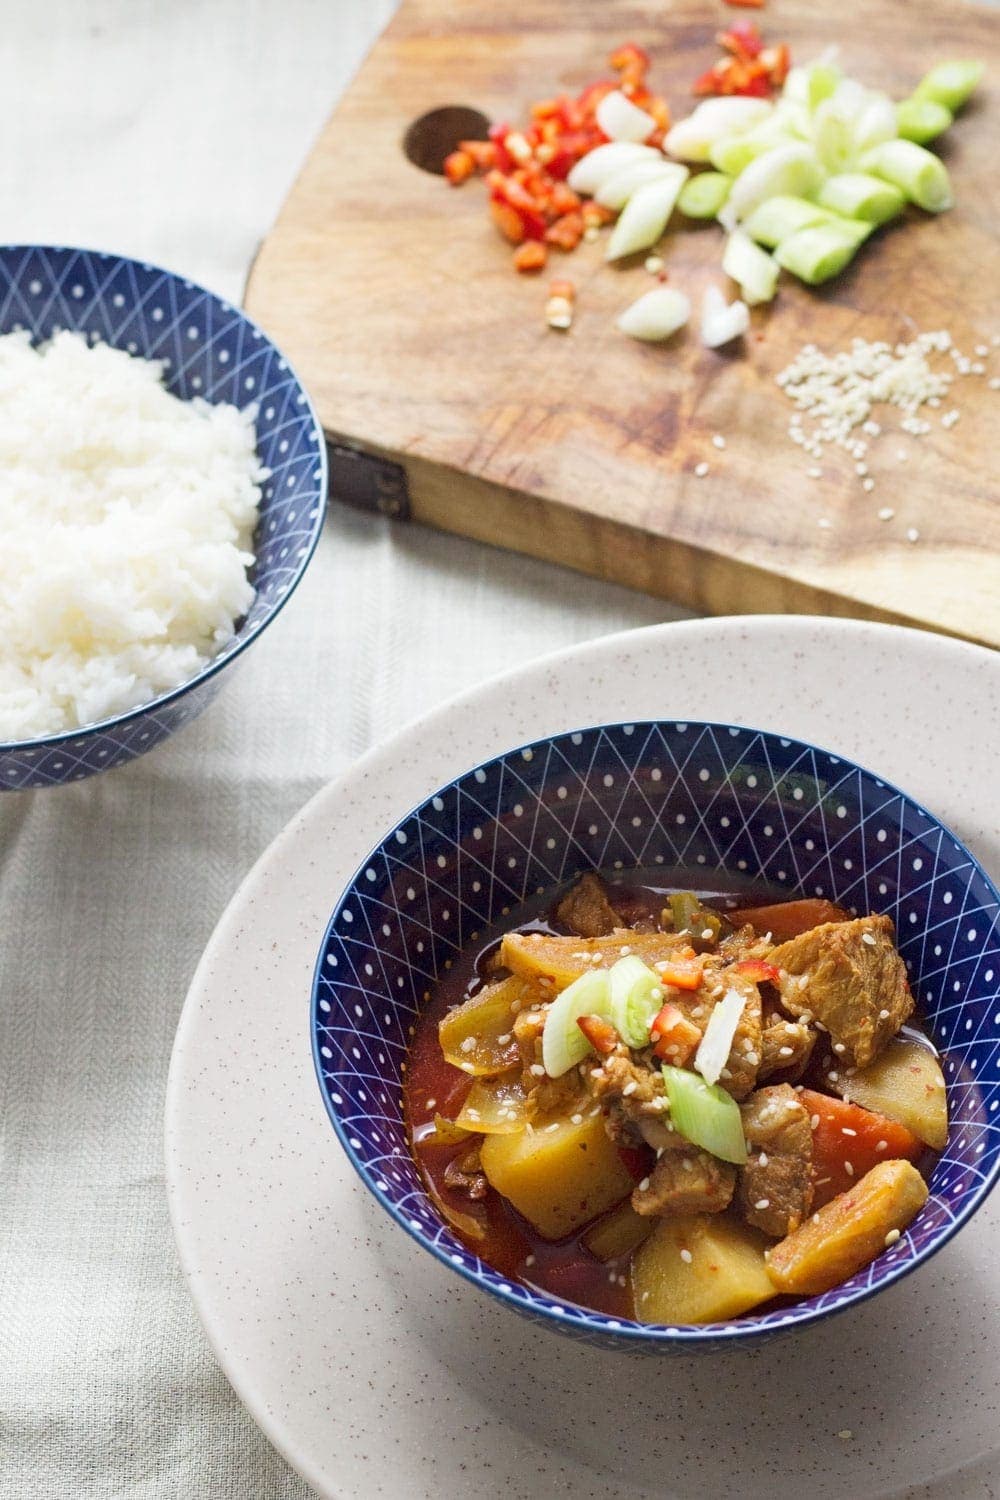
[[376, 1372]]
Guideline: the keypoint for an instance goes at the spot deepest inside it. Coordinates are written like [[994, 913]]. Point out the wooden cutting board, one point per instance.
[[447, 399]]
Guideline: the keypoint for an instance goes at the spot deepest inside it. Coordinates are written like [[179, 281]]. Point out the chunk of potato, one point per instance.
[[559, 1175], [478, 1037], [906, 1084], [495, 1106], [704, 1268], [557, 961], [618, 1234], [848, 1232]]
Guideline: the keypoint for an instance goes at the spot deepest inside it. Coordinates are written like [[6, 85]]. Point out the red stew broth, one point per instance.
[[564, 1268]]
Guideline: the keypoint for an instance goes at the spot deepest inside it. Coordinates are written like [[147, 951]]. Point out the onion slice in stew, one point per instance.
[[717, 1043], [495, 1106]]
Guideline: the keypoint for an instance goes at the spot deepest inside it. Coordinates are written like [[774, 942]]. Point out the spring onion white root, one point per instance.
[[615, 191], [721, 322], [621, 120], [598, 165], [656, 315], [692, 138], [750, 266], [645, 215]]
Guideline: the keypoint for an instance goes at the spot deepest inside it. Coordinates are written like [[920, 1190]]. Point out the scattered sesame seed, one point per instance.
[[846, 1130], [762, 1159], [644, 1184], [701, 470], [763, 1203], [839, 1047], [576, 1119], [981, 350], [707, 934], [591, 233], [849, 1168], [687, 1164], [654, 263], [786, 1051], [868, 485], [718, 441], [913, 535], [539, 1072], [431, 1103], [549, 1128], [529, 1260], [468, 1044], [824, 524], [833, 1076], [814, 1122], [883, 1015], [629, 1088], [473, 1114], [503, 1040], [892, 1236], [687, 1257], [882, 1146], [994, 382]]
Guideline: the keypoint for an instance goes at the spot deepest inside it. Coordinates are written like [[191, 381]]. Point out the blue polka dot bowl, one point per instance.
[[707, 798], [209, 349]]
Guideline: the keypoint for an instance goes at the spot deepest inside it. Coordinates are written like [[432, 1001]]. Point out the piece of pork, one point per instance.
[[775, 1186], [849, 976], [586, 910], [687, 1181], [740, 1072], [464, 1174], [633, 1099], [786, 1047]]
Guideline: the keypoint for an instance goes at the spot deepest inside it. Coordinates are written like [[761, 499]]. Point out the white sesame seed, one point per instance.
[[882, 1146], [529, 1260], [814, 1122], [654, 263], [869, 938], [892, 1237], [549, 1128], [538, 1071], [981, 350], [686, 1257], [503, 1040], [644, 1184], [849, 1168], [431, 1103], [786, 1051], [824, 524], [994, 382], [576, 1119], [883, 1015], [763, 1203], [868, 485], [468, 1044], [846, 1130], [629, 1088], [839, 1047], [701, 470], [718, 441], [913, 535], [815, 473]]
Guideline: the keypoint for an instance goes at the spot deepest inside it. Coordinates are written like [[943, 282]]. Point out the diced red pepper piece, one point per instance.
[[746, 4], [683, 973], [777, 60], [601, 1035], [757, 970], [742, 39], [676, 1038], [531, 256], [483, 153], [566, 232], [458, 165], [564, 289], [629, 58]]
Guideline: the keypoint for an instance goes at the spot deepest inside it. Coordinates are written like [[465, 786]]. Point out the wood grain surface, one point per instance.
[[393, 296]]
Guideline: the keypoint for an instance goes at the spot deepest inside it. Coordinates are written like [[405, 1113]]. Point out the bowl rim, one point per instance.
[[239, 643], [572, 1316]]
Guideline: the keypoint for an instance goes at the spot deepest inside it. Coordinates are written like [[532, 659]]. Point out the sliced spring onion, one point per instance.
[[750, 266], [645, 215], [636, 999], [721, 322], [563, 1043], [621, 120], [791, 169], [811, 85], [776, 218], [598, 165], [717, 1043], [918, 173], [735, 152], [705, 1114], [692, 138], [702, 196], [950, 83], [922, 120], [615, 191], [816, 254], [833, 137], [858, 195], [656, 315], [877, 123]]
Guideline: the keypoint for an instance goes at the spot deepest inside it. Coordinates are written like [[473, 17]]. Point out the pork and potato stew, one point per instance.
[[665, 1106]]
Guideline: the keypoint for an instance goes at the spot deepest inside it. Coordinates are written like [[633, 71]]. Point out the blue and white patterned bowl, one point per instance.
[[210, 349], [632, 796]]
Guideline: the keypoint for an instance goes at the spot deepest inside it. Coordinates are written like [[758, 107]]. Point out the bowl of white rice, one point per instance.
[[162, 488]]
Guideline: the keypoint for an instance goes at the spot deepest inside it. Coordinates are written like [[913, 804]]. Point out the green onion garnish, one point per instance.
[[858, 195], [563, 1043], [702, 196], [922, 120], [704, 1114], [950, 83], [776, 218], [636, 999], [816, 254], [918, 173]]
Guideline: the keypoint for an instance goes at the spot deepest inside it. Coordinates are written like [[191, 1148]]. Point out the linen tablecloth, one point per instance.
[[171, 131]]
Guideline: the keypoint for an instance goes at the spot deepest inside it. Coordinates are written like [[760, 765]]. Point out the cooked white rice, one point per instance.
[[126, 519]]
